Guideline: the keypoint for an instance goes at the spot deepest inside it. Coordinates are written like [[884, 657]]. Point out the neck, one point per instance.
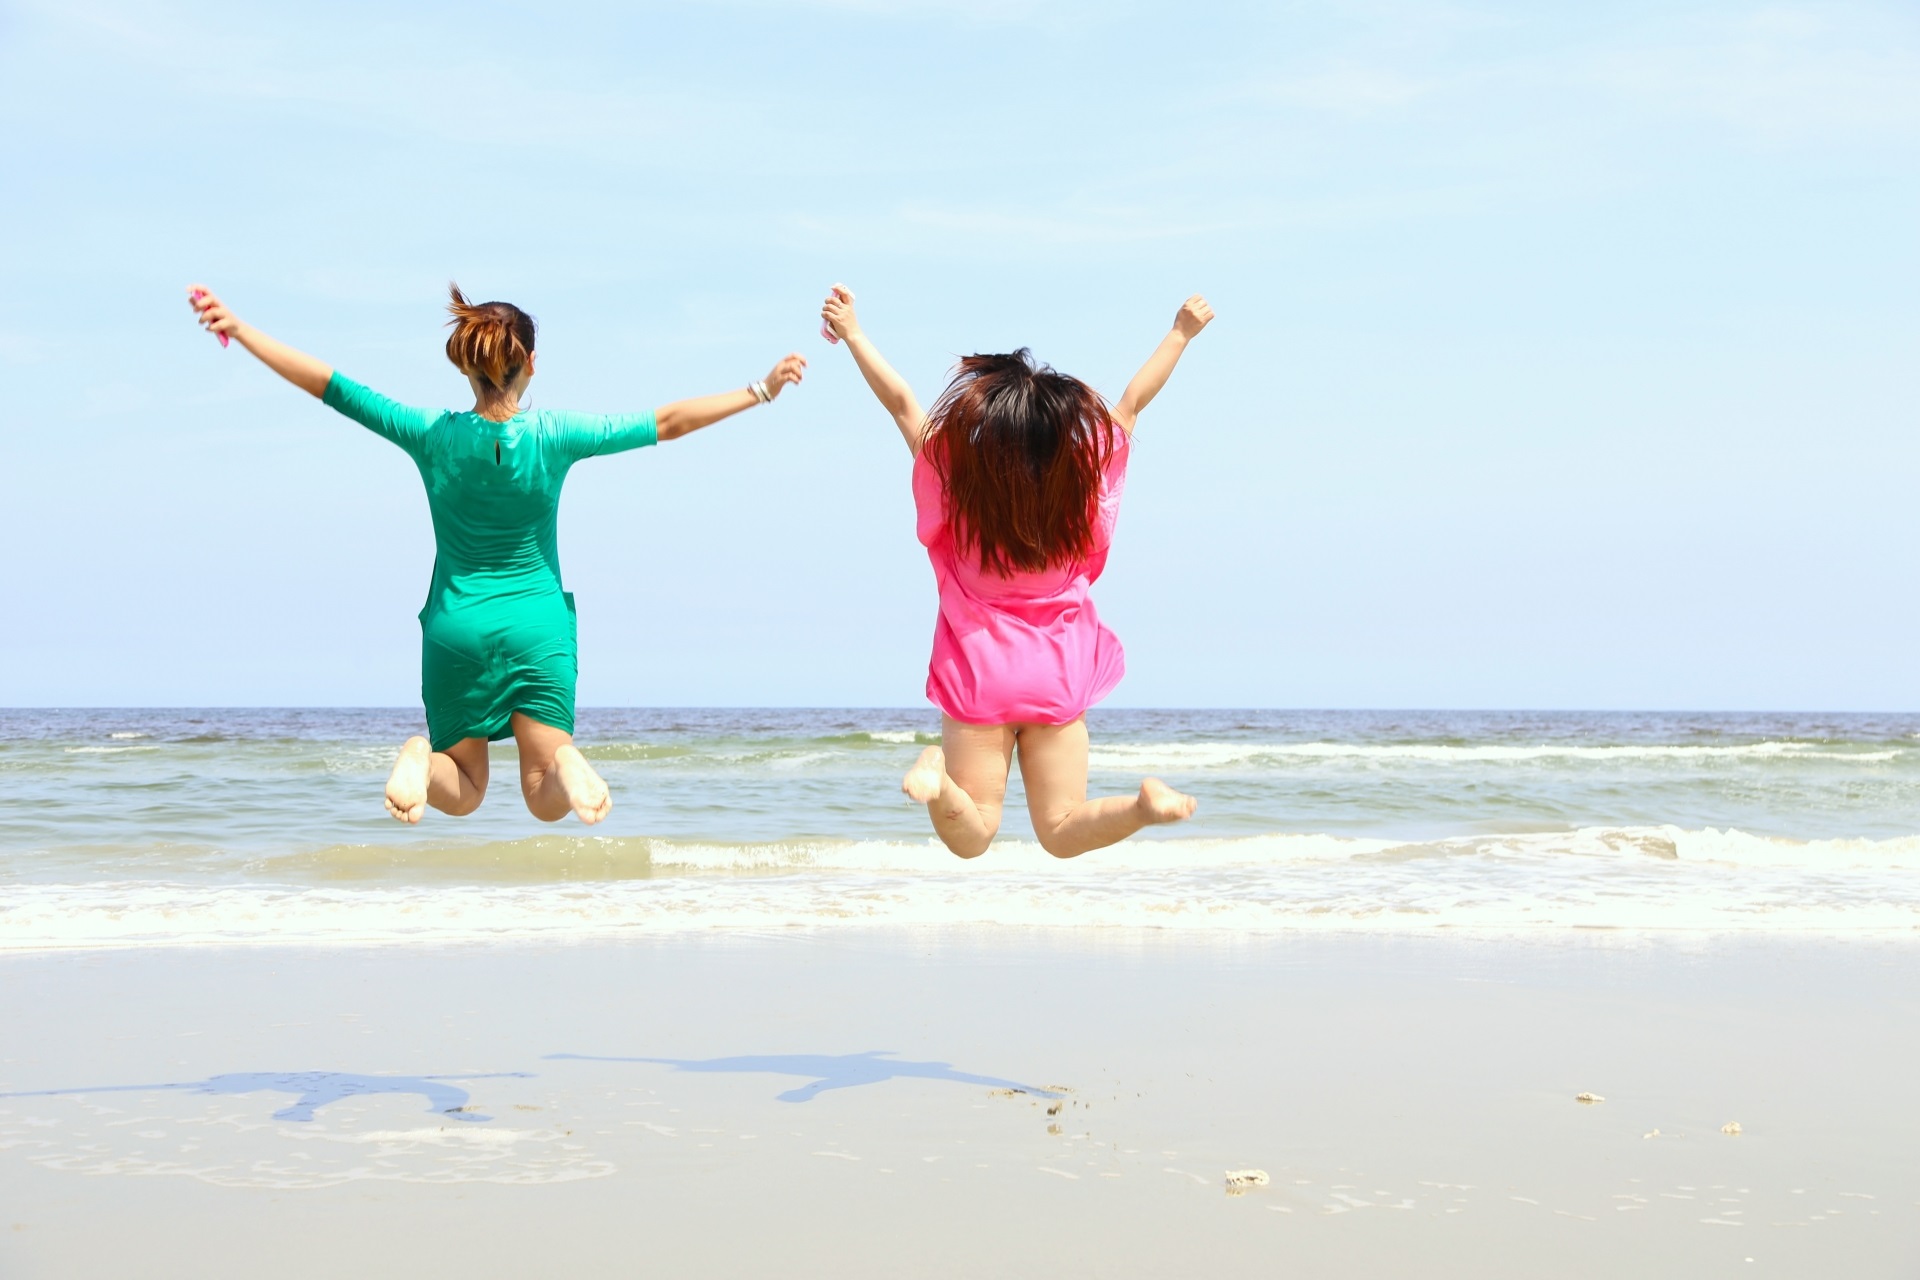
[[497, 408], [497, 404]]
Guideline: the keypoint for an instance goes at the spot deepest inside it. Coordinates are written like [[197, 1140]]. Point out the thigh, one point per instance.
[[1053, 766], [470, 756], [537, 742], [979, 756]]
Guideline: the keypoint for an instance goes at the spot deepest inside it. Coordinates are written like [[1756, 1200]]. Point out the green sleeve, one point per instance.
[[588, 435], [405, 426]]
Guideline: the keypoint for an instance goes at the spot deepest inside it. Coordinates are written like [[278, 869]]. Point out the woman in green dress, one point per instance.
[[498, 654]]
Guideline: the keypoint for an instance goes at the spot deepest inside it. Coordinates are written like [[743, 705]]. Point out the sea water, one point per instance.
[[195, 827]]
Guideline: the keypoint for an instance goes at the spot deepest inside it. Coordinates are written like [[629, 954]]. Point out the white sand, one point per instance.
[[1411, 1101]]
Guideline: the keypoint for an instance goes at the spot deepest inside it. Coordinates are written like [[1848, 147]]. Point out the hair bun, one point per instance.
[[490, 340]]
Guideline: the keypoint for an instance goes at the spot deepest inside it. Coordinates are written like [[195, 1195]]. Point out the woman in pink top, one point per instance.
[[1017, 477]]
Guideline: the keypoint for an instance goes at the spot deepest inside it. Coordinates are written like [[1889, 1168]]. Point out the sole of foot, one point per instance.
[[922, 783], [1162, 803], [585, 789], [407, 784]]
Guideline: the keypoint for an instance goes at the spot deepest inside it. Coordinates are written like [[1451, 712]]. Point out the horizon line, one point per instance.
[[776, 706]]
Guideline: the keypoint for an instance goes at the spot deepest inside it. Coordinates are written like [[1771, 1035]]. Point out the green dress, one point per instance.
[[497, 632]]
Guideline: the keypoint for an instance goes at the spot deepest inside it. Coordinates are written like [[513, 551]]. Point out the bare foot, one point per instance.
[[923, 781], [586, 792], [407, 784], [1161, 803]]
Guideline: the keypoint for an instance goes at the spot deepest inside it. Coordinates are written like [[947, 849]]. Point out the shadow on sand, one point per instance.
[[311, 1089], [826, 1071]]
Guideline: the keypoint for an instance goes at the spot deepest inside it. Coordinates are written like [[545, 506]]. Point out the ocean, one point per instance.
[[178, 827]]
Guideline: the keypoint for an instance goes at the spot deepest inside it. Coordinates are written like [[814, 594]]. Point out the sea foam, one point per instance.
[[1657, 878]]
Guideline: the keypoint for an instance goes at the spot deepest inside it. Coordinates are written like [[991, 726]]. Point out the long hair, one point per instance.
[[491, 340], [1019, 449]]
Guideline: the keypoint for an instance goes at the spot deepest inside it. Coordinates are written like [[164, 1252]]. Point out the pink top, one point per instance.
[[1025, 649]]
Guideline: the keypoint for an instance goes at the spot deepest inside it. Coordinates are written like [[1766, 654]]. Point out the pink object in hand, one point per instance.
[[198, 294], [826, 330]]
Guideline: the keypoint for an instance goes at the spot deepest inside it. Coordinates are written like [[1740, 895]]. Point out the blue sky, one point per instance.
[[1568, 356]]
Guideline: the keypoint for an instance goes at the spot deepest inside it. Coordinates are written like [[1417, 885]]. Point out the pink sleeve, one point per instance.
[[929, 500], [1113, 482]]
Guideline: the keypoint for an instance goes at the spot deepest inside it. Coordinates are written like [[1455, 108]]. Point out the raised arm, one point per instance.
[[887, 385], [680, 417], [1193, 316], [297, 367]]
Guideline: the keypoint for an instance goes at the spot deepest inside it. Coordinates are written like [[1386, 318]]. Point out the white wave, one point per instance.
[[928, 855], [893, 735], [584, 859], [105, 751], [363, 760], [126, 735], [1173, 756], [799, 759], [1618, 878]]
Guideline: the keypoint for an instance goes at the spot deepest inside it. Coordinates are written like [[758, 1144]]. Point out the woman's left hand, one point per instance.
[[792, 369]]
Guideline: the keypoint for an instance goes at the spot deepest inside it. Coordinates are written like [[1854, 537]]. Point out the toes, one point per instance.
[[1164, 803], [595, 809]]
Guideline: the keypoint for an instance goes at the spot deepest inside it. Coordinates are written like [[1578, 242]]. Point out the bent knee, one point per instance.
[[465, 803], [546, 808], [970, 845], [1059, 848]]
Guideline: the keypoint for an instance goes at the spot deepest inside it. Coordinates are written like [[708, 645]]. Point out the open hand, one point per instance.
[[1194, 316], [791, 369], [837, 313], [212, 313]]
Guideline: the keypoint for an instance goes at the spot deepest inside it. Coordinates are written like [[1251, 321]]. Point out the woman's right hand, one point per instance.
[[837, 313], [211, 312]]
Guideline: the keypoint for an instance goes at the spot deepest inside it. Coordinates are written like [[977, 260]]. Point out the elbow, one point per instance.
[[668, 425]]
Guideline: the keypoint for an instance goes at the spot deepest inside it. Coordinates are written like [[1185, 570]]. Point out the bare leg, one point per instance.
[[964, 785], [453, 781], [1053, 764], [554, 777]]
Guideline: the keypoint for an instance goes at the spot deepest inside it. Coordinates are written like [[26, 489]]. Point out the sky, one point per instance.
[[1566, 356]]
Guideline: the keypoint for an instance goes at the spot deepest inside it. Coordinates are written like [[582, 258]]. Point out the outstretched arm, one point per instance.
[[1192, 318], [680, 417], [297, 367], [887, 385]]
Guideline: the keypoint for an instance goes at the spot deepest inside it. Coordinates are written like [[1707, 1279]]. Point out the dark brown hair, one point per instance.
[[489, 339], [1019, 449]]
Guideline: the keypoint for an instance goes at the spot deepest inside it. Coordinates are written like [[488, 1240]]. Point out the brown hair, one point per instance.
[[490, 339], [1019, 449]]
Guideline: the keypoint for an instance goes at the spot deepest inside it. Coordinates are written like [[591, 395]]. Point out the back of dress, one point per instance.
[[1020, 648], [494, 490]]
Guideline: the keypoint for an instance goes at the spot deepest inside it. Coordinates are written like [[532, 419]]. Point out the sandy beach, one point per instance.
[[878, 1103]]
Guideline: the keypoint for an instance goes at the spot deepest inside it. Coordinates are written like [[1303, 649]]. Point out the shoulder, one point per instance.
[[1113, 473], [557, 421], [926, 476]]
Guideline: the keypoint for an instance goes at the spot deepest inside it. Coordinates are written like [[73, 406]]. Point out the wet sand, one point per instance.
[[1052, 1104]]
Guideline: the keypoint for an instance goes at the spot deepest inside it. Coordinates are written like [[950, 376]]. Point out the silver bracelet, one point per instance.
[[760, 392]]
